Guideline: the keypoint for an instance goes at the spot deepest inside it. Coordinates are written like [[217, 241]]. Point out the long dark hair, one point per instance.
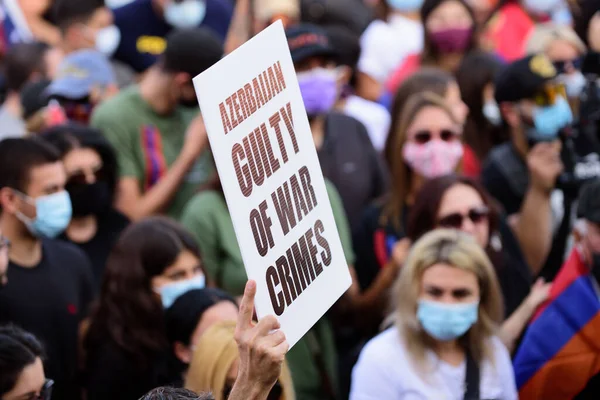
[[477, 70], [423, 215], [432, 80], [430, 55], [72, 136], [128, 312], [401, 174]]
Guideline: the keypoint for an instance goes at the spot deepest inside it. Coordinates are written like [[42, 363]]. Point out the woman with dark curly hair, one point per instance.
[[126, 347]]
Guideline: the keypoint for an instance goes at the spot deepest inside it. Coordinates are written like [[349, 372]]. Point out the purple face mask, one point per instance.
[[453, 40], [319, 90]]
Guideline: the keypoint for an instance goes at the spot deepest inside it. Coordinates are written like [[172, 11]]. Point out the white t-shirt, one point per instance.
[[373, 116], [384, 45], [384, 371]]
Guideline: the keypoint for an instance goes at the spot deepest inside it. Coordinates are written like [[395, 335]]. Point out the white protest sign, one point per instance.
[[261, 140]]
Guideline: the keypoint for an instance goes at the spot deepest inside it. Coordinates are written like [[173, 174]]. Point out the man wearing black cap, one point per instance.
[[347, 156], [522, 174], [156, 130]]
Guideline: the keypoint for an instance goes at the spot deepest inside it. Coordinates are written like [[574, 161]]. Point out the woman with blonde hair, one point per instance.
[[444, 343], [215, 364], [426, 144]]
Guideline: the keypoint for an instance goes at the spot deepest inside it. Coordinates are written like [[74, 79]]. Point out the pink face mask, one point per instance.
[[434, 158]]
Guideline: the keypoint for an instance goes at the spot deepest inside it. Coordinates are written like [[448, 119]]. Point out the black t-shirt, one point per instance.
[[512, 270], [373, 243], [506, 177], [349, 160], [114, 375], [50, 300], [588, 164], [110, 226]]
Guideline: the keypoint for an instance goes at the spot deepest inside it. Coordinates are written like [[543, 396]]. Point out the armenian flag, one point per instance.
[[560, 351]]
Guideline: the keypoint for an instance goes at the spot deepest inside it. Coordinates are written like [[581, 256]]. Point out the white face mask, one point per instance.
[[187, 14], [574, 83], [107, 40], [117, 3], [491, 112], [542, 6]]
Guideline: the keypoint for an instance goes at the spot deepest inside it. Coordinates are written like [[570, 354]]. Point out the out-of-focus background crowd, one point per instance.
[[460, 143]]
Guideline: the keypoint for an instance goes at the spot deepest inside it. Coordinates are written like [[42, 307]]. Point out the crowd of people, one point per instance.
[[460, 145]]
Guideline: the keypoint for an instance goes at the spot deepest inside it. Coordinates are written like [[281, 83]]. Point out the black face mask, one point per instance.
[[188, 103], [89, 199]]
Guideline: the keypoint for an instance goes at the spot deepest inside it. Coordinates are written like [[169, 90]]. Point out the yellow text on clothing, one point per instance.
[[151, 44]]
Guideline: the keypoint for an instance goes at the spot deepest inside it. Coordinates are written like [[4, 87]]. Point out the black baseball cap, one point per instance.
[[523, 78], [588, 206], [308, 40]]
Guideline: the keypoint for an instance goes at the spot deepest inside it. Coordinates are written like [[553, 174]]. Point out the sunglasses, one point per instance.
[[561, 66], [424, 136], [80, 176], [548, 95], [274, 394], [455, 220]]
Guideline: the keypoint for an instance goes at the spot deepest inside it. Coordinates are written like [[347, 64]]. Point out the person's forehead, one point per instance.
[[46, 173], [431, 117], [446, 275], [460, 196]]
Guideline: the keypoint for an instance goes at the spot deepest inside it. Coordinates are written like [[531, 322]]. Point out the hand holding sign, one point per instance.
[[262, 350], [264, 152]]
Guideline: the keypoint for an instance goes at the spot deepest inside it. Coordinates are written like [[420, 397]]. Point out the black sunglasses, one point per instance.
[[561, 66], [274, 394], [455, 220], [425, 136]]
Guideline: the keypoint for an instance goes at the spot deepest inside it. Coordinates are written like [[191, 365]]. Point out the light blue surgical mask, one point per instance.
[[171, 291], [52, 214], [548, 121], [405, 5], [187, 14], [447, 321]]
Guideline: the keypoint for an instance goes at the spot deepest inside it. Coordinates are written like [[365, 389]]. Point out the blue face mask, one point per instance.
[[446, 321], [52, 214], [405, 5], [187, 14], [171, 291], [548, 121]]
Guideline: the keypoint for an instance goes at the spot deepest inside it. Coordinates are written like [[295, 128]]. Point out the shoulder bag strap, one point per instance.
[[471, 379]]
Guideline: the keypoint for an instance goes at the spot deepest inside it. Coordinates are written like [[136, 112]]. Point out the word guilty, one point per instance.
[[254, 158]]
